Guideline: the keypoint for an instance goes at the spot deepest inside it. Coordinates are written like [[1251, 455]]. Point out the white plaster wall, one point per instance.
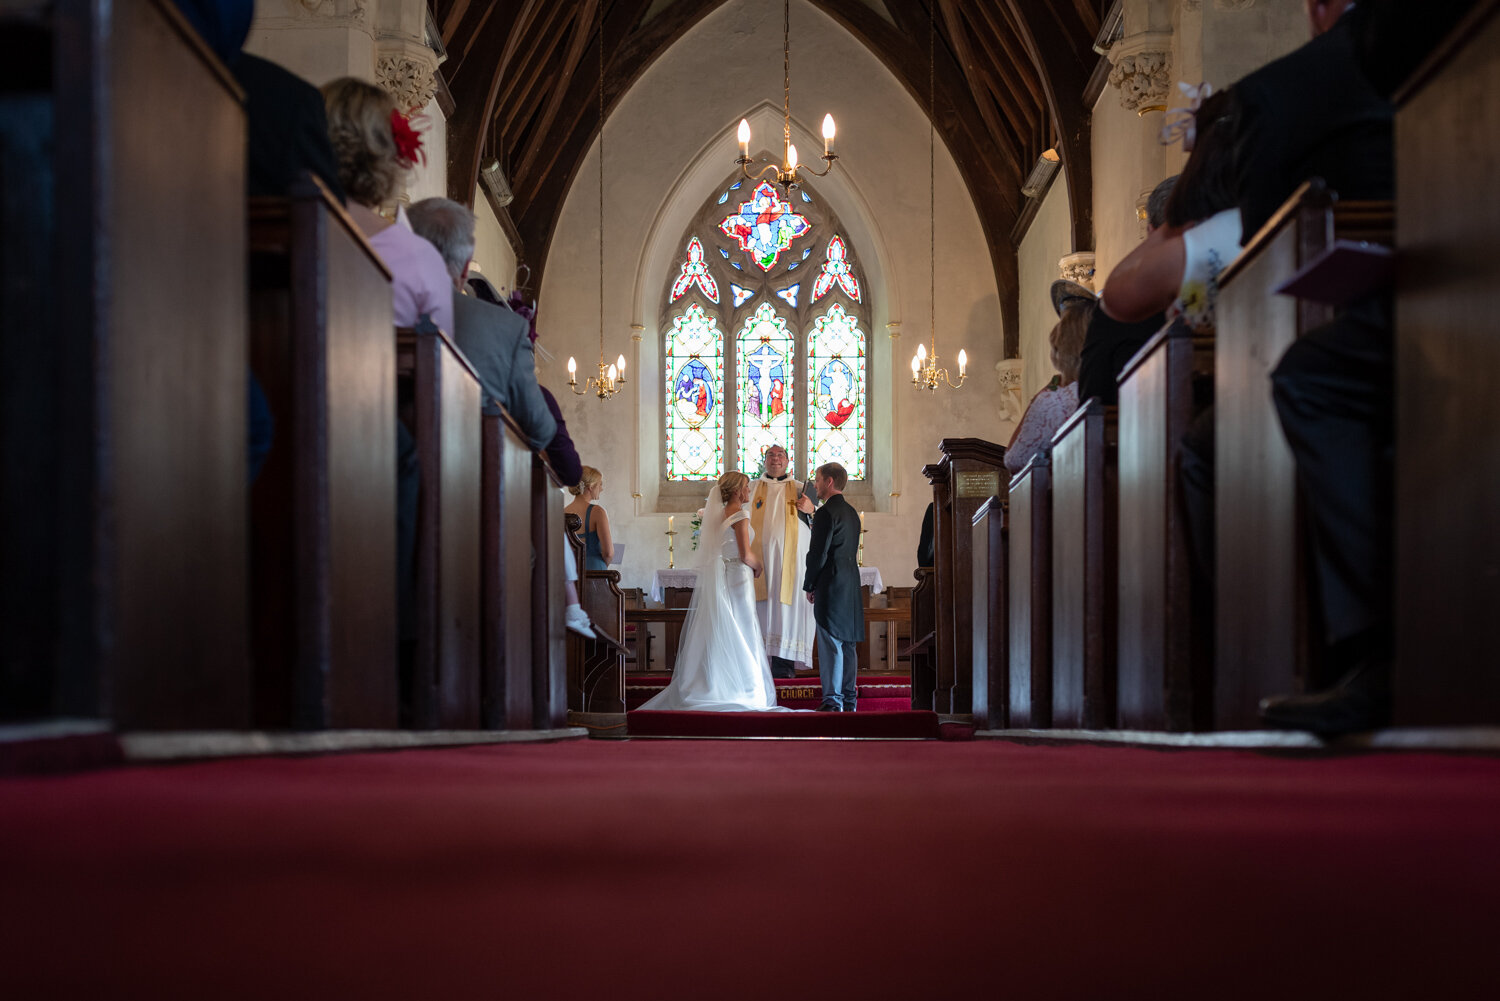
[[1237, 41], [1048, 240], [1129, 161], [492, 250], [668, 145]]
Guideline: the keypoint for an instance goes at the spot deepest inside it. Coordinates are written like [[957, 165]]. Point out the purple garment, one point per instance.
[[521, 307], [561, 453]]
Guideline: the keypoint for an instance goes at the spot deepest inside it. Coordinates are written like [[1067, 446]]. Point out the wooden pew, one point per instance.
[[1447, 369], [1085, 550], [132, 408], [922, 651], [447, 426], [549, 664], [991, 684], [1165, 662], [1266, 642], [1030, 584], [596, 668], [323, 570], [971, 471], [505, 577], [30, 418]]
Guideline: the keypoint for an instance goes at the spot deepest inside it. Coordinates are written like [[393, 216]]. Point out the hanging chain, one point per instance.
[[931, 182], [786, 76], [601, 181]]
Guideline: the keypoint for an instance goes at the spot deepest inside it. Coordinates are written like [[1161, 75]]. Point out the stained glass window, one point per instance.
[[737, 353], [695, 272], [836, 392], [836, 271], [695, 396], [764, 226], [764, 360]]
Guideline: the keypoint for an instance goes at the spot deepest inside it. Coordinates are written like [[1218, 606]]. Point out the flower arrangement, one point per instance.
[[697, 524]]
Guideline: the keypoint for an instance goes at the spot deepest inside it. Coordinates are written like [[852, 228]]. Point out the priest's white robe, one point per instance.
[[786, 616]]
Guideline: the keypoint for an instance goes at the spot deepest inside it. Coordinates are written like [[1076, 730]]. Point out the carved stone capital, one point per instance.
[[408, 72], [1144, 78], [1078, 268]]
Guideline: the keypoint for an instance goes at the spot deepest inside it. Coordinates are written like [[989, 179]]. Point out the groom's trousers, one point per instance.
[[838, 669]]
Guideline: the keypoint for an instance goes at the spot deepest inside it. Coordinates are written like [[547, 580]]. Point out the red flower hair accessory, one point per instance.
[[408, 141]]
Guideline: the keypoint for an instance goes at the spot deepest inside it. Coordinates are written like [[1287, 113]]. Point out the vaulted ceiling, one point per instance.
[[1011, 79]]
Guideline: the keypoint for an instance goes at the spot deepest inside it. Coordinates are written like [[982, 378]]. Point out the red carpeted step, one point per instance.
[[906, 725], [877, 692]]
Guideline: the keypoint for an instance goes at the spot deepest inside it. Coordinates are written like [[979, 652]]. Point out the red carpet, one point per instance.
[[877, 692], [757, 869], [884, 725]]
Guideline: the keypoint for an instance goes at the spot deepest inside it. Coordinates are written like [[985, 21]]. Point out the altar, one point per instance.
[[663, 579]]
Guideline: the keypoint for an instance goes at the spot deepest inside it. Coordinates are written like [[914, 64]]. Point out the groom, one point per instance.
[[832, 585]]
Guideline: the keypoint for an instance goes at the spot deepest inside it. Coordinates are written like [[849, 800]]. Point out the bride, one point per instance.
[[721, 663]]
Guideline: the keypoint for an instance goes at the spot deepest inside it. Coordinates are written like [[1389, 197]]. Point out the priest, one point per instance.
[[781, 516]]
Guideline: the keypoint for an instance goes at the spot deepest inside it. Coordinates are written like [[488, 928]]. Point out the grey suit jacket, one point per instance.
[[833, 571], [495, 342]]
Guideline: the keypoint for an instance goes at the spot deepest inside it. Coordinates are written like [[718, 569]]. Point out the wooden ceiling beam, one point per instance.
[[633, 47], [520, 91], [473, 95], [993, 181], [1054, 55], [975, 74], [583, 32]]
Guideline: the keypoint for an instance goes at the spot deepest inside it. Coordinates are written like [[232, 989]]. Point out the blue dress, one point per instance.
[[593, 557]]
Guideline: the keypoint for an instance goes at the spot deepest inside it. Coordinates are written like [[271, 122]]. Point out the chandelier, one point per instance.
[[788, 173], [611, 378], [925, 372]]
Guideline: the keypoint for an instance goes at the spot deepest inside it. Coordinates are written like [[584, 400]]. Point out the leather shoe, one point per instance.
[[1360, 701], [829, 707]]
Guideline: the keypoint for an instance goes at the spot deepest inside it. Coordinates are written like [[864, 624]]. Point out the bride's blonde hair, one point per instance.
[[730, 484]]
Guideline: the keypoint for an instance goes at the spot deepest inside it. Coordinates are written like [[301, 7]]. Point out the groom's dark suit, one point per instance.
[[838, 606]]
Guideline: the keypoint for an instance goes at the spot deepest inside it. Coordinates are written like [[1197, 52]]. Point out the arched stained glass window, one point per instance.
[[695, 396], [765, 357], [768, 303], [836, 392]]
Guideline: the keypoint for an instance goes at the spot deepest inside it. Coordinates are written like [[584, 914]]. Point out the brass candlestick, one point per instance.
[[671, 549]]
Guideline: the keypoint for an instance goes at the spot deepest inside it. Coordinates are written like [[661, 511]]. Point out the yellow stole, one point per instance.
[[789, 583]]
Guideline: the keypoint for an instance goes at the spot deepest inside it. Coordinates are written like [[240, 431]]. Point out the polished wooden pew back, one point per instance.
[[324, 506]]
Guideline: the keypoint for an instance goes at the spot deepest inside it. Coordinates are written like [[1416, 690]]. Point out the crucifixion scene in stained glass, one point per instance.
[[765, 226], [695, 390], [765, 359], [836, 392]]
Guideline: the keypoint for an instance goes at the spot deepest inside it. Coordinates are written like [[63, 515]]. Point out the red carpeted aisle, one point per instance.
[[704, 870]]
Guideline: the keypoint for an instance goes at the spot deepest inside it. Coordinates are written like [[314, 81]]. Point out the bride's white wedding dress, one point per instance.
[[721, 662]]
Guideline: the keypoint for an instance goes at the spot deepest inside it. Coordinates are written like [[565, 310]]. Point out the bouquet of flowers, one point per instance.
[[697, 524]]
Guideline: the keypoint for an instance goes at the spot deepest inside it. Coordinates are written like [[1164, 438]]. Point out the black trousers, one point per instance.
[[1334, 394]]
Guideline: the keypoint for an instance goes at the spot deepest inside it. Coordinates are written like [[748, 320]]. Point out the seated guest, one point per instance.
[[598, 542], [1313, 114], [375, 145], [926, 545], [1111, 343], [1177, 267], [1059, 398], [493, 338]]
